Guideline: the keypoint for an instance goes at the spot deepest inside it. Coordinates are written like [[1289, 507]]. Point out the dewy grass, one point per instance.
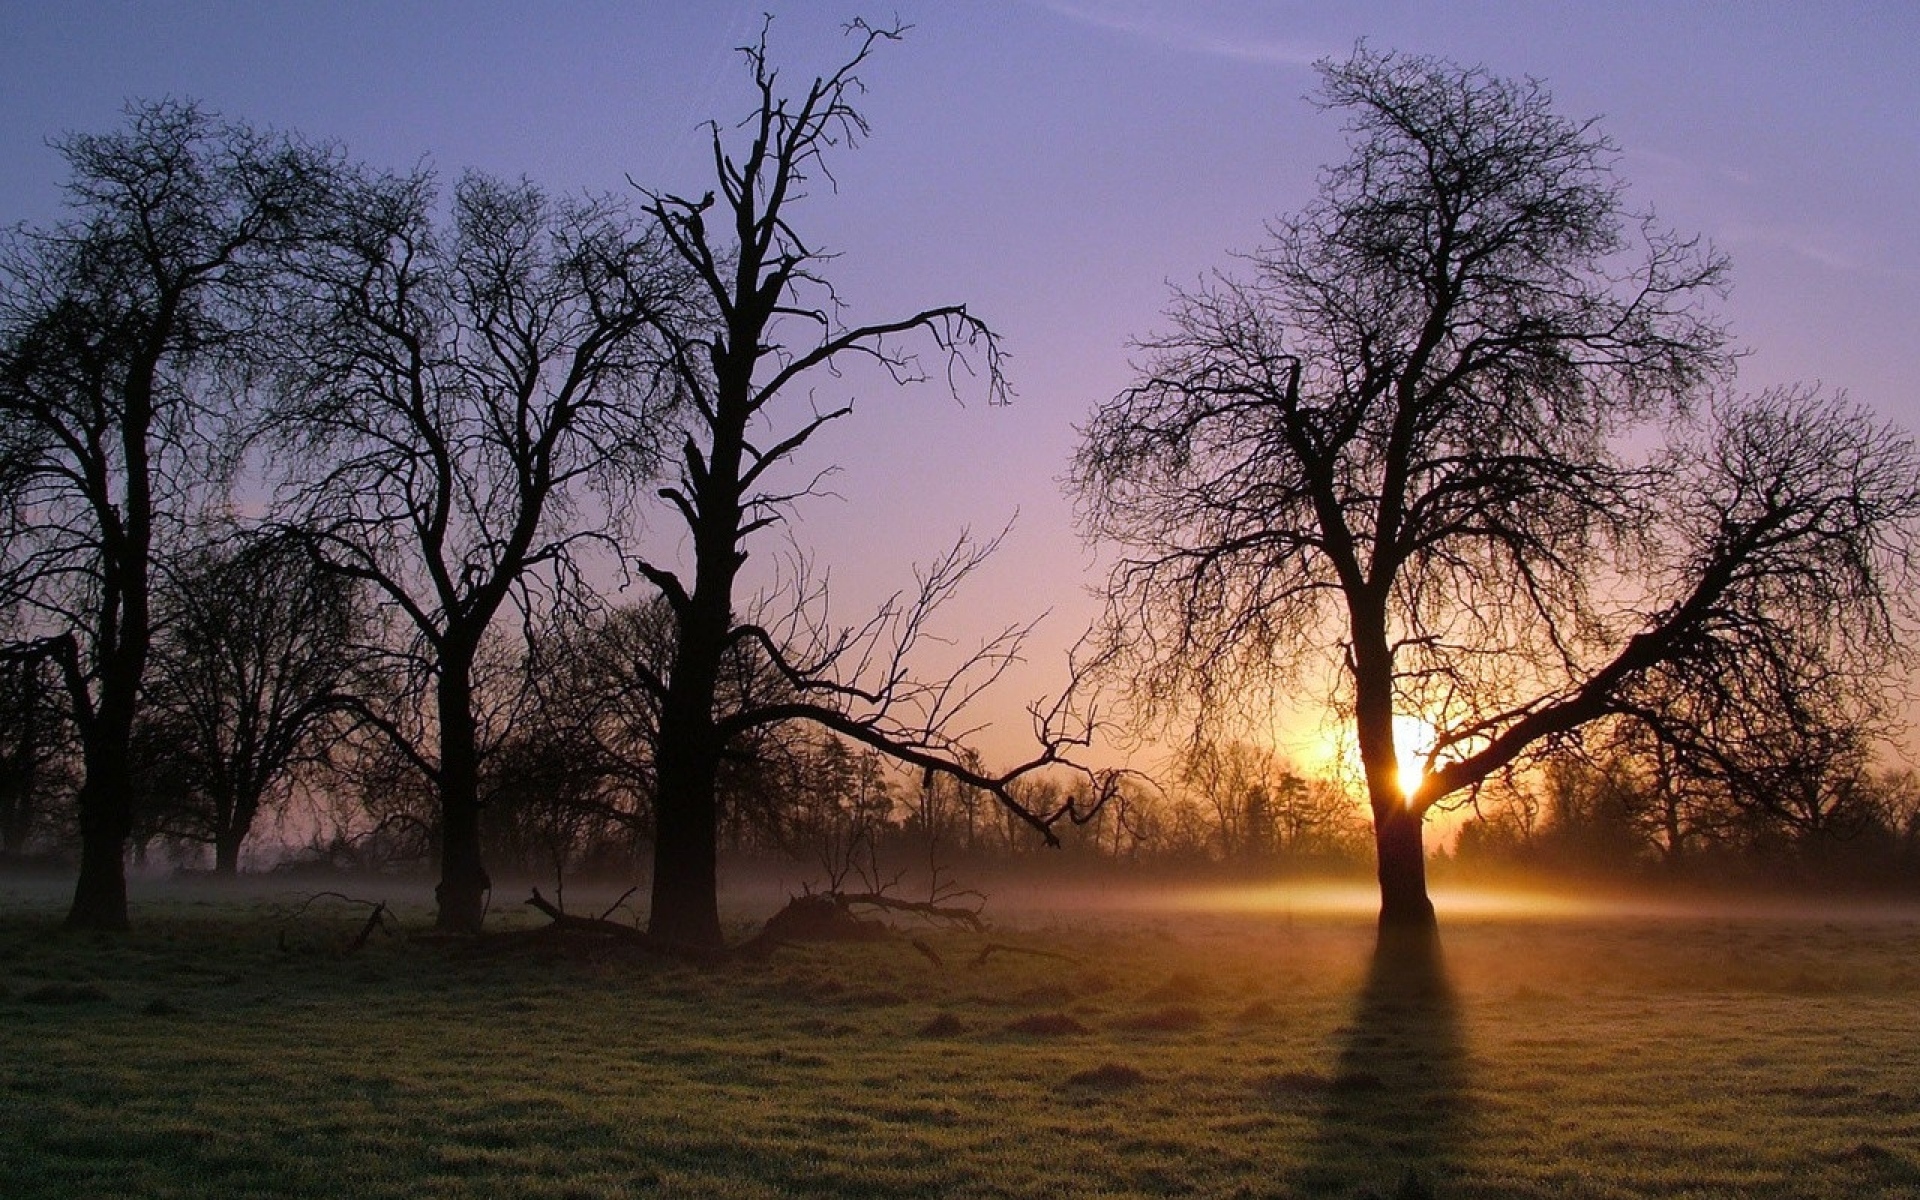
[[222, 1050]]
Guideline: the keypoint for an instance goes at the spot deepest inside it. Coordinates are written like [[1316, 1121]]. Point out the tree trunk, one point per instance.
[[1396, 822], [1404, 905], [686, 880], [105, 805], [100, 893], [16, 812], [686, 901], [231, 821], [464, 883]]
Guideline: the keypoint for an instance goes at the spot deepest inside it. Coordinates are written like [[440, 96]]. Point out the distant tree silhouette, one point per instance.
[[772, 326], [124, 331], [1396, 441], [258, 646], [596, 681], [466, 411], [36, 747], [1260, 807]]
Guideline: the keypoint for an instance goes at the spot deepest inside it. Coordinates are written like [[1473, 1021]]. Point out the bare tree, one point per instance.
[[1262, 808], [36, 747], [1802, 501], [257, 648], [774, 326], [122, 331], [1396, 444], [596, 680], [468, 410]]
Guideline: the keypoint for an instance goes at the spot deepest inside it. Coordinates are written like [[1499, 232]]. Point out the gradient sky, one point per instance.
[[1053, 163]]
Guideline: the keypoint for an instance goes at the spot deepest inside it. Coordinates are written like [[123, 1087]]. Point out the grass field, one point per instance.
[[1200, 1049]]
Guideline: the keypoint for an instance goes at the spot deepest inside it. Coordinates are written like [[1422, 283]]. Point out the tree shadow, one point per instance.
[[1395, 1109]]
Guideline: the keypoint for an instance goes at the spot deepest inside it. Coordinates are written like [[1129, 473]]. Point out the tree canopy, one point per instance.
[[1401, 438]]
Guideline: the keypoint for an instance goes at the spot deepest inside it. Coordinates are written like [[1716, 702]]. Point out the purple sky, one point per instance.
[[1053, 164]]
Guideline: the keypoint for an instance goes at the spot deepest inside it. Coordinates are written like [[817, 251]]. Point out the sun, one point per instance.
[[1413, 740], [1335, 751]]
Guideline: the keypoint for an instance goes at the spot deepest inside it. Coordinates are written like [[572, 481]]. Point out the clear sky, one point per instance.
[[1053, 163]]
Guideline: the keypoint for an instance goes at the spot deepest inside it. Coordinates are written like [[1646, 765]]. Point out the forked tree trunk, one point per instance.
[[233, 819]]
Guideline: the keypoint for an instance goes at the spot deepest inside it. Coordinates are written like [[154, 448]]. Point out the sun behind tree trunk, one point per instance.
[[1398, 450]]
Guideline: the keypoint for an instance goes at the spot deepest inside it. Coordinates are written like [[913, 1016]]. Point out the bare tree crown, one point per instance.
[[1395, 435]]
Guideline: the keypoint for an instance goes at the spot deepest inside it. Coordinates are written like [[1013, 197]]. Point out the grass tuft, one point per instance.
[[65, 993], [1260, 1012], [1294, 1083], [1175, 1018], [1180, 987], [1410, 1187], [1108, 1077], [1047, 1025]]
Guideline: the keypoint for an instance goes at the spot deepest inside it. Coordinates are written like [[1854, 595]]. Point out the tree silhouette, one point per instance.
[[36, 745], [772, 325], [1398, 440], [121, 332], [257, 648], [457, 398]]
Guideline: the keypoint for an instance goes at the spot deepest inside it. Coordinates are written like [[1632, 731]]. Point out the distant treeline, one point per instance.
[[568, 792]]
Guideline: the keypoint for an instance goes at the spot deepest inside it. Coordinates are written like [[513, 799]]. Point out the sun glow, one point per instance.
[[1413, 741], [1333, 751]]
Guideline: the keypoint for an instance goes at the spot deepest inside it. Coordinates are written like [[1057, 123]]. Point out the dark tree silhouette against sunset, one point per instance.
[[772, 328], [1396, 437]]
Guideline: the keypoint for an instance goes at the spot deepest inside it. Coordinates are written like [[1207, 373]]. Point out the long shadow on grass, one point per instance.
[[1394, 1117]]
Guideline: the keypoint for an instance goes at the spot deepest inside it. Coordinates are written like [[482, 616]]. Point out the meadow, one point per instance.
[[1186, 1045]]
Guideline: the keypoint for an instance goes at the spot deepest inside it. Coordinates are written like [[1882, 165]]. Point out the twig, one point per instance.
[[375, 920], [615, 906]]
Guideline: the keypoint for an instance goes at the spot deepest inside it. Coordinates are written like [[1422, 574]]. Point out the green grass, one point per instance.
[[220, 1050]]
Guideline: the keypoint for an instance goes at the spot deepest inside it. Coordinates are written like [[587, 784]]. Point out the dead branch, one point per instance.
[[625, 934], [377, 918], [922, 908], [615, 906]]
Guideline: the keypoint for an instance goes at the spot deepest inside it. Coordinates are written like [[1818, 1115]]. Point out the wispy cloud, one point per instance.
[[1692, 165], [1174, 25], [1829, 248]]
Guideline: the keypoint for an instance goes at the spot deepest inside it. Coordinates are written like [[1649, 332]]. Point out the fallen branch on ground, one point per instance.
[[625, 934], [377, 918], [921, 908]]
